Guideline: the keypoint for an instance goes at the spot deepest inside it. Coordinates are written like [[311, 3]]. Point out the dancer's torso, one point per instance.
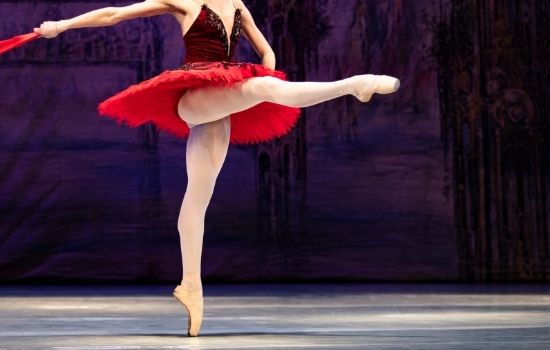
[[207, 39]]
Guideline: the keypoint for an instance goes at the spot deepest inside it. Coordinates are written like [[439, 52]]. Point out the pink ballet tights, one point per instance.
[[206, 150], [206, 110], [211, 103]]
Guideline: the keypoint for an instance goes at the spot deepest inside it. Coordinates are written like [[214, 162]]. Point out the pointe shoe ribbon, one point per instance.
[[194, 304]]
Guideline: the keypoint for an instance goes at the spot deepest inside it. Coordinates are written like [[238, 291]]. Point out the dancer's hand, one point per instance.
[[49, 29]]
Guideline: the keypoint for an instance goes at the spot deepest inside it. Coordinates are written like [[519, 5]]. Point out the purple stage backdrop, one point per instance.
[[447, 179]]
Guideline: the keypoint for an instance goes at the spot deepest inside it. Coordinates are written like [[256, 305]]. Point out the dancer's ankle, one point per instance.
[[192, 280], [356, 82], [348, 86]]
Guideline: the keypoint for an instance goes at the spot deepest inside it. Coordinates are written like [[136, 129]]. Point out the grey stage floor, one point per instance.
[[319, 316]]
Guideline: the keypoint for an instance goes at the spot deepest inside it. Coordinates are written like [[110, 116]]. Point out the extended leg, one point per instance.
[[211, 103], [207, 147]]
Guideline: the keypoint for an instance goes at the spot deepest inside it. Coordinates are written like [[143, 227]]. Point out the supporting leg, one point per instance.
[[211, 103], [206, 151]]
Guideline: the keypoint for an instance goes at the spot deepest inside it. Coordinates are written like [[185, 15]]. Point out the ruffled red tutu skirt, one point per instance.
[[155, 101]]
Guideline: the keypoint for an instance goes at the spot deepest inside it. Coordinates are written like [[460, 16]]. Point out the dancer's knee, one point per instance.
[[195, 202], [185, 110], [182, 223]]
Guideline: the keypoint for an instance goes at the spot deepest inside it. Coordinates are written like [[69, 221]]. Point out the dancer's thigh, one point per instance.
[[209, 103]]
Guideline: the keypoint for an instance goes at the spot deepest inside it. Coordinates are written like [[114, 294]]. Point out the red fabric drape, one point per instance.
[[18, 40]]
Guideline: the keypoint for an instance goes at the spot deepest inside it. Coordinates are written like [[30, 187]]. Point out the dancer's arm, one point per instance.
[[106, 16], [254, 35]]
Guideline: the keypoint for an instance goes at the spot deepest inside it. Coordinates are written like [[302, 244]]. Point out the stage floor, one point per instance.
[[317, 316]]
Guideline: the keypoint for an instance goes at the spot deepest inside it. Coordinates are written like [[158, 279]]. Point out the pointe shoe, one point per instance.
[[366, 85], [194, 303]]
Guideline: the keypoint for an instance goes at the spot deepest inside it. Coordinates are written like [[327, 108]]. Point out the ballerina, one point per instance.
[[214, 101]]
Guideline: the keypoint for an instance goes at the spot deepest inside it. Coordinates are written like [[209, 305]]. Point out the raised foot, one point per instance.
[[193, 302], [364, 86]]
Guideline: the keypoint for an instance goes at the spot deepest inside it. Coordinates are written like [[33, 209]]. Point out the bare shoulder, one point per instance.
[[178, 6], [246, 15], [239, 4], [167, 4]]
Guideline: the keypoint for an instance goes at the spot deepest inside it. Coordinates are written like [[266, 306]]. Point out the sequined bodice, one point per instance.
[[207, 39]]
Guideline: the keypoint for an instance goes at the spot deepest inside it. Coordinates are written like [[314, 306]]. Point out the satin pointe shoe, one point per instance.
[[193, 302], [366, 85]]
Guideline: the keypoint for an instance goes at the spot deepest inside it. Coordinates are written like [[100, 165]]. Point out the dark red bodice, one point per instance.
[[207, 39]]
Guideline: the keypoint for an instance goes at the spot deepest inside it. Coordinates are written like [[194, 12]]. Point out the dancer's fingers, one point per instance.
[[47, 29], [37, 30]]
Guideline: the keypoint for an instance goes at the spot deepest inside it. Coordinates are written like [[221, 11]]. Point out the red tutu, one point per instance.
[[155, 100]]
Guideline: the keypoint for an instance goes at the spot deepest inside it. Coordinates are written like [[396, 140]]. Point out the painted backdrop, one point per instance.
[[448, 179]]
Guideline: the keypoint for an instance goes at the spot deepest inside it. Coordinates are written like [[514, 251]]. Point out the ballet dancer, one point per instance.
[[213, 101]]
